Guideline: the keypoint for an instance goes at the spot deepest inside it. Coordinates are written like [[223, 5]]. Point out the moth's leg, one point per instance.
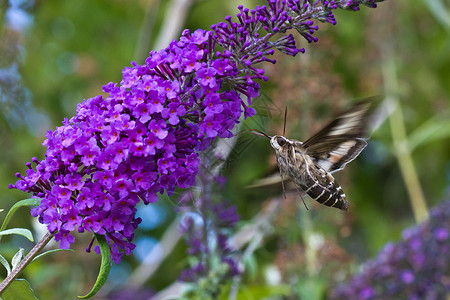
[[300, 194], [282, 183]]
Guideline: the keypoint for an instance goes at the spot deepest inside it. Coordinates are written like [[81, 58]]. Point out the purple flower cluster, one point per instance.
[[144, 137], [137, 142], [418, 267], [207, 239]]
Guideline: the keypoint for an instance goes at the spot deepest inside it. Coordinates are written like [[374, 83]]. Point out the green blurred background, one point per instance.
[[69, 49]]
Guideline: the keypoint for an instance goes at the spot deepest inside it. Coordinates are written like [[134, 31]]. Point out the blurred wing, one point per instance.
[[341, 140], [337, 153]]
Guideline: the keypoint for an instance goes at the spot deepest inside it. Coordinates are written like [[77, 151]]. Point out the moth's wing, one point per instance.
[[341, 140], [333, 155]]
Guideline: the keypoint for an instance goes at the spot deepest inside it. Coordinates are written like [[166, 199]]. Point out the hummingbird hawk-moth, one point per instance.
[[310, 164]]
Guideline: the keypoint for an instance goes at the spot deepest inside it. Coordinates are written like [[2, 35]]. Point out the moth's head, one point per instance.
[[278, 141]]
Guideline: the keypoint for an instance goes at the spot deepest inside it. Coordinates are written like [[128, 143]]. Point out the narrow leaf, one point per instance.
[[19, 290], [49, 252], [21, 231], [435, 128], [5, 263], [17, 258], [21, 203], [105, 267]]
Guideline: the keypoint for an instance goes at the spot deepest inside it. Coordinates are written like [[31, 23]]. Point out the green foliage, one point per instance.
[[254, 292], [5, 263], [19, 290], [50, 252], [20, 231], [17, 231], [437, 128], [313, 288], [15, 207], [105, 266]]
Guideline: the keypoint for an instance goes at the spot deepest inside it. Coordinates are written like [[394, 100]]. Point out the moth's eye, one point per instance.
[[281, 141]]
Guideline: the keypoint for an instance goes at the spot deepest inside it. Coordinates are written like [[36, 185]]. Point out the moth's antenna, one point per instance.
[[254, 131], [259, 132], [284, 125]]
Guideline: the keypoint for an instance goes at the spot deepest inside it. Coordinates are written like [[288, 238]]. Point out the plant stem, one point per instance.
[[402, 151], [32, 254], [406, 164]]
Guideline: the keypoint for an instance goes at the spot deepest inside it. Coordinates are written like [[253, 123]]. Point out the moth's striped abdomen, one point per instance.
[[327, 192]]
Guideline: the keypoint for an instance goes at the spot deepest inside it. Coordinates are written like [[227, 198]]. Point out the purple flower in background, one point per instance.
[[143, 138], [207, 236], [441, 234], [407, 276], [418, 267]]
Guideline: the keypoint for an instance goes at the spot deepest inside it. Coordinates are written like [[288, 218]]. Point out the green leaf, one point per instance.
[[21, 203], [435, 128], [5, 263], [49, 252], [17, 258], [21, 231], [19, 290], [105, 267]]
